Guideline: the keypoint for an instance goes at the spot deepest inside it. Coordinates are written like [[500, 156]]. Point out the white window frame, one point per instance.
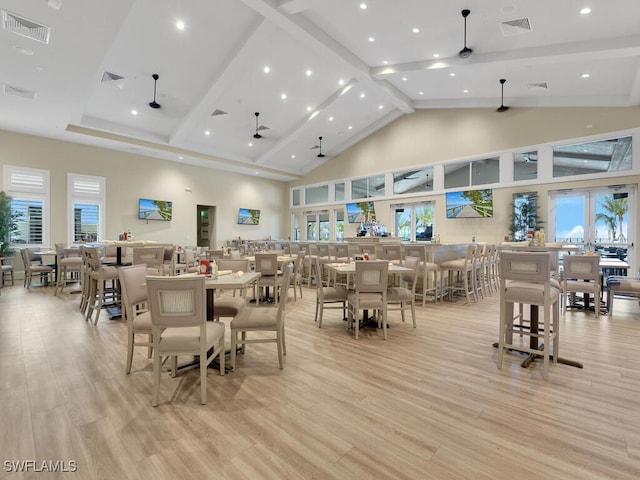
[[40, 191], [85, 189]]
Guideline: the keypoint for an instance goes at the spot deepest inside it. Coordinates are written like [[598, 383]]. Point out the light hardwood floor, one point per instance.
[[429, 403]]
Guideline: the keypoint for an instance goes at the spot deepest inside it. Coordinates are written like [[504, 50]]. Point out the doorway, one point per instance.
[[601, 219], [205, 221]]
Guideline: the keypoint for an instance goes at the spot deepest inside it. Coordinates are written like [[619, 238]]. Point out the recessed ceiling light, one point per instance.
[[380, 107], [371, 39], [362, 95], [309, 109], [404, 79], [384, 62], [363, 6], [134, 112], [331, 119], [350, 127], [416, 30], [420, 93], [180, 25], [207, 132], [452, 74], [585, 75], [465, 91], [180, 157], [283, 96], [293, 156], [341, 82], [436, 55], [585, 11], [250, 144], [308, 73], [266, 69]]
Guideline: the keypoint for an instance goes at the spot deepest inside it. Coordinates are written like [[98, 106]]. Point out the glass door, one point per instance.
[[414, 221], [600, 219]]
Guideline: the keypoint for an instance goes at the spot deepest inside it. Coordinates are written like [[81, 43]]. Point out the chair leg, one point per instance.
[[203, 377], [156, 380], [234, 346], [130, 340]]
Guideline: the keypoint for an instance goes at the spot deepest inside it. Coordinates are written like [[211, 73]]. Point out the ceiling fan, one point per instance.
[[154, 104], [465, 52], [320, 154], [502, 108], [259, 128]]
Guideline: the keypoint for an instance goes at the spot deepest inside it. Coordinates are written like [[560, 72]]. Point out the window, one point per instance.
[[29, 192], [525, 166], [368, 187], [295, 197], [414, 221], [599, 157], [319, 194], [413, 181], [86, 207], [477, 172], [339, 216], [339, 192]]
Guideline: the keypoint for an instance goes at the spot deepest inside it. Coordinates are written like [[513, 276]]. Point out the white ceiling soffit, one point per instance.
[[27, 28]]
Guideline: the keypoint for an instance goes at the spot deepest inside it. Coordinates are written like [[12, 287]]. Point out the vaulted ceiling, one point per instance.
[[82, 70]]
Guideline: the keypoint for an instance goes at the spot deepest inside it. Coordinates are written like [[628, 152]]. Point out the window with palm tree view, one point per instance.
[[414, 221]]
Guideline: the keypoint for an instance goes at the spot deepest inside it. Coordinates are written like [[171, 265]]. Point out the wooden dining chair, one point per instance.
[[180, 327], [371, 281]]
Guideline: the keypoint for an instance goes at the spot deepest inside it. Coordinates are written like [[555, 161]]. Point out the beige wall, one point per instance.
[[436, 136], [129, 177]]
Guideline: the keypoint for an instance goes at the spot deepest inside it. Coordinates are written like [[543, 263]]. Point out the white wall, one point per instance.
[[129, 177]]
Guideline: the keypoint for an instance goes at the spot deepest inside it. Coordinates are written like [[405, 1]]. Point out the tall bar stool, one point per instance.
[[69, 266], [463, 271], [427, 271], [525, 278], [103, 285]]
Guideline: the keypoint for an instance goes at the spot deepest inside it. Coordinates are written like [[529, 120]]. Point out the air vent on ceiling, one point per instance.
[[19, 92], [113, 79], [217, 112], [515, 27], [24, 27], [538, 86]]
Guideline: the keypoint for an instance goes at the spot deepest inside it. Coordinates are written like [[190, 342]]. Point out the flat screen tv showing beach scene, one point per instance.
[[149, 209], [470, 204], [361, 212], [248, 216]]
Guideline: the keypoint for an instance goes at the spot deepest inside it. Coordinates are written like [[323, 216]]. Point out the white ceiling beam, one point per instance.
[[293, 134], [297, 6], [232, 69], [578, 51], [303, 30]]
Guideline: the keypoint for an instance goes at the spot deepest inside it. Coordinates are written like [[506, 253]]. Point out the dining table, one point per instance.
[[227, 279]]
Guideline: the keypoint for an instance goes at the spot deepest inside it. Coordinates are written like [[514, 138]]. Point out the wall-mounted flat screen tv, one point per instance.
[[470, 204], [149, 209], [359, 212], [248, 216]]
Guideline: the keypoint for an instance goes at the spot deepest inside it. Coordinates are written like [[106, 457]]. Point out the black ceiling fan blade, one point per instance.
[[155, 104]]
